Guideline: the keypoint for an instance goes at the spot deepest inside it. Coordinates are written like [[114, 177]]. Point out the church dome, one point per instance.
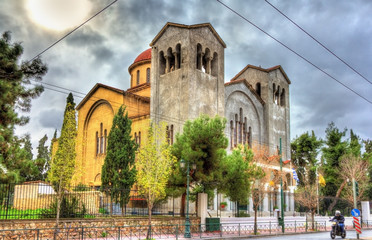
[[143, 58], [145, 55]]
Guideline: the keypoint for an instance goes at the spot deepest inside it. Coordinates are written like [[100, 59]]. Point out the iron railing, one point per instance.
[[166, 231]]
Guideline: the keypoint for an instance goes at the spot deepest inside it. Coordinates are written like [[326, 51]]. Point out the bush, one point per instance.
[[70, 208], [244, 214]]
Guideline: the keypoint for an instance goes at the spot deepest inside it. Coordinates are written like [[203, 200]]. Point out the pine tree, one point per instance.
[[63, 165], [15, 94], [42, 159], [118, 171]]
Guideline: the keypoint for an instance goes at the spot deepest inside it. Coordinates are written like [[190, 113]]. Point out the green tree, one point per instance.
[[15, 97], [202, 142], [367, 156], [42, 160], [118, 171], [63, 164], [335, 147], [154, 164], [304, 153]]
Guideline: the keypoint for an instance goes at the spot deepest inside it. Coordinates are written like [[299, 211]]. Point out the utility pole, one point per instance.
[[281, 186], [354, 196]]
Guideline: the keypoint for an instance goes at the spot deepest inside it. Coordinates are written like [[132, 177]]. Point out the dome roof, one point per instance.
[[145, 55]]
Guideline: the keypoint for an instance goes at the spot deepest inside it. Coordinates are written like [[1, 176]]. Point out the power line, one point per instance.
[[331, 52], [299, 55], [160, 116], [73, 30]]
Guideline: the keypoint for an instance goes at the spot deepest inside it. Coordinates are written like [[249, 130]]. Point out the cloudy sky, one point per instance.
[[102, 50]]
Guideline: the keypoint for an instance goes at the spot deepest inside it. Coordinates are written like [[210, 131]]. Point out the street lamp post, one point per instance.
[[187, 220], [281, 186]]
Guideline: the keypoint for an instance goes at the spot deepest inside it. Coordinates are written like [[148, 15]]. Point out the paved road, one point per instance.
[[367, 234]]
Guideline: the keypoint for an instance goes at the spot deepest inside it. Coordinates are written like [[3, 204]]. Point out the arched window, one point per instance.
[[97, 143], [207, 61], [178, 56], [250, 137], [236, 130], [131, 81], [245, 131], [162, 63], [170, 61], [139, 138], [148, 75], [171, 134], [274, 91], [101, 140], [105, 147], [240, 125], [231, 134], [135, 137], [277, 100], [214, 67], [282, 98], [258, 89], [138, 77], [199, 57]]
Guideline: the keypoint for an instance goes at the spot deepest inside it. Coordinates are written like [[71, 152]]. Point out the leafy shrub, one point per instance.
[[70, 208]]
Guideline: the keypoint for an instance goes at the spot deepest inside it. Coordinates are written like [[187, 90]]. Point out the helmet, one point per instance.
[[338, 213]]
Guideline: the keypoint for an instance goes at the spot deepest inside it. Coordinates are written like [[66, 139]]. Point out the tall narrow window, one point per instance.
[[282, 98], [135, 137], [171, 134], [231, 134], [214, 65], [258, 89], [139, 138], [236, 131], [97, 144], [240, 125], [138, 77], [250, 137], [274, 91], [162, 63], [105, 147], [199, 57], [168, 134], [178, 56], [101, 140], [148, 75]]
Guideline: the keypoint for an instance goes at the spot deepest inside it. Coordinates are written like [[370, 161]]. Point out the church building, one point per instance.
[[180, 77]]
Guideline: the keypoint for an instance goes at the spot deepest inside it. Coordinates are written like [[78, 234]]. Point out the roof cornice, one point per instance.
[[168, 24], [263, 70]]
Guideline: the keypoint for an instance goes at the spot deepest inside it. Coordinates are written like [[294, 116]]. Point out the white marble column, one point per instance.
[[266, 200], [291, 198]]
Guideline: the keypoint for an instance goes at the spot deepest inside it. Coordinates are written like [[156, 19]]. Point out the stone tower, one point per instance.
[[187, 74]]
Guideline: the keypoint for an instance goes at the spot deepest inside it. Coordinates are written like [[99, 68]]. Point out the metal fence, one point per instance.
[[167, 231], [39, 201]]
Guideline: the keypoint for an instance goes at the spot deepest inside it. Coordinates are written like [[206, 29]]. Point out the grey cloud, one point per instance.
[[85, 37], [51, 118]]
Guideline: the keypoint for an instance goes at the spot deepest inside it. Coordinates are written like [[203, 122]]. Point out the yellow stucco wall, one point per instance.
[[100, 108], [142, 67]]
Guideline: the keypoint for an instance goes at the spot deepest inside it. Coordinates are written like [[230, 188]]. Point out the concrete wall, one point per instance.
[[184, 93]]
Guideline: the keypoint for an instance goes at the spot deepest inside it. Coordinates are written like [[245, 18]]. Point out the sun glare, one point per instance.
[[58, 14]]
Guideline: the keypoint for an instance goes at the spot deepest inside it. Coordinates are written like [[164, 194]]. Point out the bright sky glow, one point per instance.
[[58, 15]]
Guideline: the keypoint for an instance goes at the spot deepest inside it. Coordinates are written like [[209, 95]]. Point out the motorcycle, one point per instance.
[[336, 229]]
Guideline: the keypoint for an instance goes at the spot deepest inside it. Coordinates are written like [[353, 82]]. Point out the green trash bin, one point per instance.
[[212, 224]]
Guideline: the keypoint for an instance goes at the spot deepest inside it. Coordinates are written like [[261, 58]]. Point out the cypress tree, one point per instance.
[[118, 171]]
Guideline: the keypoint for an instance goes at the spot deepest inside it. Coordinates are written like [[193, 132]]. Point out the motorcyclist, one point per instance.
[[340, 219]]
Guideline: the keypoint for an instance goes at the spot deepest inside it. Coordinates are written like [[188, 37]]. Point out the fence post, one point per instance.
[[270, 227], [239, 229], [177, 232], [220, 229], [37, 235], [295, 226], [306, 226], [7, 202], [82, 233], [119, 233]]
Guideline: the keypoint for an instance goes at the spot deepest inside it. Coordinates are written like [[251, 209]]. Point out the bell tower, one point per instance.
[[187, 74]]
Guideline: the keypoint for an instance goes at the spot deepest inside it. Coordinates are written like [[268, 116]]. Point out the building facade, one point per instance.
[[180, 77]]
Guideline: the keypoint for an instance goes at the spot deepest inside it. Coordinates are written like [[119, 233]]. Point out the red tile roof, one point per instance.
[[145, 55]]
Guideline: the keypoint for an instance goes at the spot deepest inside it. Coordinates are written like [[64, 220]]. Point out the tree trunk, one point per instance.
[[183, 204], [111, 206], [334, 202], [149, 227], [312, 220], [255, 221]]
